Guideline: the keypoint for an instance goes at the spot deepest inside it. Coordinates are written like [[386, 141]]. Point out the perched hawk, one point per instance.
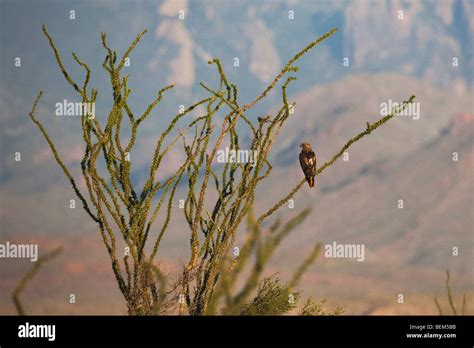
[[308, 162]]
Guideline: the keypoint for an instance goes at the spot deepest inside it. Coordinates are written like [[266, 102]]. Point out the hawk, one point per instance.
[[308, 162]]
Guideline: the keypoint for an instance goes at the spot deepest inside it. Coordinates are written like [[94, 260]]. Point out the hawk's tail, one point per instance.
[[310, 180]]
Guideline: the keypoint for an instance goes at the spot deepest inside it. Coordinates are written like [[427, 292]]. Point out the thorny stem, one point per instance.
[[29, 275]]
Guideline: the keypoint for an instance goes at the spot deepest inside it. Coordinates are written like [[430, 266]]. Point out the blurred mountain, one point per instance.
[[416, 38], [421, 41], [421, 44]]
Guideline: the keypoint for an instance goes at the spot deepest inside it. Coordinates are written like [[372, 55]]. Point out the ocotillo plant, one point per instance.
[[205, 284]]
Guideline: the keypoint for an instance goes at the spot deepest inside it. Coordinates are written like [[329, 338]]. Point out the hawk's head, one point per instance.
[[305, 146]]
